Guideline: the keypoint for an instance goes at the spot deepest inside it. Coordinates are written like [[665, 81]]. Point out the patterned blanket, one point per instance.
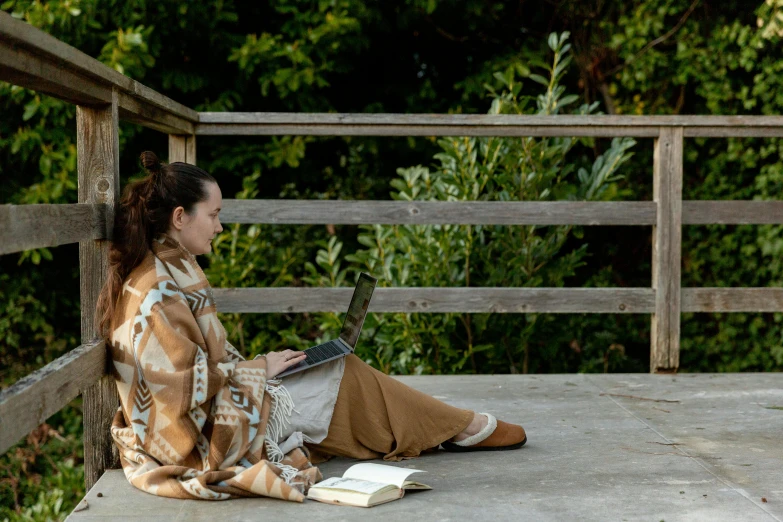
[[196, 419]]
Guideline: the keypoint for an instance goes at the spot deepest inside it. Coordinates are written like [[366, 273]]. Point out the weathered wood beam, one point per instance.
[[276, 123], [33, 59], [732, 212], [495, 300], [182, 148], [24, 227], [98, 151], [439, 300], [667, 250], [147, 115], [437, 212], [345, 212], [34, 398], [732, 300], [751, 131]]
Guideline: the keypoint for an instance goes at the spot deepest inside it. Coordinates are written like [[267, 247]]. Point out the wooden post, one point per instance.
[[98, 150], [182, 147], [667, 251]]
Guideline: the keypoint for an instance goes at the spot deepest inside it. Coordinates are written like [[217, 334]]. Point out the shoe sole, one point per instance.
[[450, 446]]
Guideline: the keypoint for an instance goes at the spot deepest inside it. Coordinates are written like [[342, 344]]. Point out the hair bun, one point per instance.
[[150, 161]]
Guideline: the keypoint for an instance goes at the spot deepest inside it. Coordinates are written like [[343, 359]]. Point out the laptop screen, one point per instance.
[[357, 310]]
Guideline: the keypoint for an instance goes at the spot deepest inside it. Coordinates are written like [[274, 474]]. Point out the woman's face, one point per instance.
[[195, 231]]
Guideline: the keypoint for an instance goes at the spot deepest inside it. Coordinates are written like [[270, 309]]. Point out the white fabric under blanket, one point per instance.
[[314, 393]]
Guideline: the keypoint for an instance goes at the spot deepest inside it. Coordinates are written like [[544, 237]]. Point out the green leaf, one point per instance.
[[567, 100], [500, 77], [45, 165], [552, 41], [539, 79], [522, 69], [30, 109]]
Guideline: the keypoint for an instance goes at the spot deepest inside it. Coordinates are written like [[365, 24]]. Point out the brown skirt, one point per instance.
[[377, 416]]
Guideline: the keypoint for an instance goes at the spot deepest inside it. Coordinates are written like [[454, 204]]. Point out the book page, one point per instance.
[[380, 473], [358, 485]]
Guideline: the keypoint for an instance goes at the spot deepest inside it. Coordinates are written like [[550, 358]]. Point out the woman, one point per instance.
[[196, 419]]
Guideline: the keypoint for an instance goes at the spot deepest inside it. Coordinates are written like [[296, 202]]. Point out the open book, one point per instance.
[[365, 485]]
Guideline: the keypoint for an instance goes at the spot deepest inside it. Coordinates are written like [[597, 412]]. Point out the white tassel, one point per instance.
[[282, 407], [275, 456], [279, 418], [273, 452], [288, 472]]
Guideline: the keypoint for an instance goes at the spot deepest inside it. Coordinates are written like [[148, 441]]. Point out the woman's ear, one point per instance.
[[178, 218]]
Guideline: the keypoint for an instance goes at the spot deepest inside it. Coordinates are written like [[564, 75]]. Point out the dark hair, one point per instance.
[[143, 214]]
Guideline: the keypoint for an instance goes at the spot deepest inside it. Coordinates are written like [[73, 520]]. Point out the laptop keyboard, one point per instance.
[[323, 352]]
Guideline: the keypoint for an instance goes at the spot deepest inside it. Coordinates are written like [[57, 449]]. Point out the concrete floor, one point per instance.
[[714, 454]]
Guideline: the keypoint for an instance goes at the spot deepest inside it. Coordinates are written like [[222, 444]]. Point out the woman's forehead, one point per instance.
[[215, 197]]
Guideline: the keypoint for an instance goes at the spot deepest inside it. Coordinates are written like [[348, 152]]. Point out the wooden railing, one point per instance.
[[35, 60]]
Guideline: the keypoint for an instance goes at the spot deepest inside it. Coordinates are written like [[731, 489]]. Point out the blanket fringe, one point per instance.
[[282, 407]]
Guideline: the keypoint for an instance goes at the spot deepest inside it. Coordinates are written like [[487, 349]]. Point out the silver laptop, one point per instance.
[[352, 327]]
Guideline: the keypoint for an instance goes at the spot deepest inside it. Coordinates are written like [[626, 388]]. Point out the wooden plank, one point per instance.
[[438, 212], [667, 250], [439, 300], [35, 60], [148, 95], [24, 227], [732, 299], [98, 150], [487, 119], [34, 398], [755, 131], [260, 123], [182, 148], [495, 300], [21, 67], [732, 212], [136, 111], [22, 34], [214, 129], [346, 212], [176, 148], [190, 149]]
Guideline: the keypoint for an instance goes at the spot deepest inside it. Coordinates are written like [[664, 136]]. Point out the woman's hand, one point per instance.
[[278, 362]]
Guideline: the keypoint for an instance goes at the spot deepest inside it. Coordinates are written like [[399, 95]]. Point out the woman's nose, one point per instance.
[[219, 228]]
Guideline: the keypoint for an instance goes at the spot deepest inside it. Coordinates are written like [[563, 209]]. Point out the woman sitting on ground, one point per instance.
[[196, 419]]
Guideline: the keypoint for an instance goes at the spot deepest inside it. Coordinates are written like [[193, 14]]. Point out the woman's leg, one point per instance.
[[377, 416]]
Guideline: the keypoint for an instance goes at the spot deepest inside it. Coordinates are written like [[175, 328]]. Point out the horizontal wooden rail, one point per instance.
[[732, 299], [732, 212], [439, 300], [328, 124], [496, 300], [23, 227], [31, 58], [345, 212], [33, 399], [287, 211]]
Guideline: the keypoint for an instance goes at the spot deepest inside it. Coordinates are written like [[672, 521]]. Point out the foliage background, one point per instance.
[[416, 56]]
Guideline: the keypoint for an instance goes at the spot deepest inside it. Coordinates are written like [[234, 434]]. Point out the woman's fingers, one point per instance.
[[295, 360], [278, 362]]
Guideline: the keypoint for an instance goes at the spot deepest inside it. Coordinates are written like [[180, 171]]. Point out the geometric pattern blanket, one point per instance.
[[196, 420]]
